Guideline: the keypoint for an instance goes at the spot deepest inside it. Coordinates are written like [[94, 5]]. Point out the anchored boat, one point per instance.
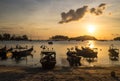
[[48, 59], [113, 53]]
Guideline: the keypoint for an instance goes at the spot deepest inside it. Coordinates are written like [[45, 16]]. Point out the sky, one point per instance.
[[41, 19]]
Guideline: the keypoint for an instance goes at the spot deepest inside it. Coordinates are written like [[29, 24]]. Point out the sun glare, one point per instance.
[[91, 28], [91, 44]]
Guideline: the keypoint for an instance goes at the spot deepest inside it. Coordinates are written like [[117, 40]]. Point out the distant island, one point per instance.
[[9, 37], [117, 38], [79, 38]]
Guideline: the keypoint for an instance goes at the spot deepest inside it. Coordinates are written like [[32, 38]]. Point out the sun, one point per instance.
[[91, 28]]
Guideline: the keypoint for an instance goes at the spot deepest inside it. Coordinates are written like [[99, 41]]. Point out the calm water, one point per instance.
[[61, 48]]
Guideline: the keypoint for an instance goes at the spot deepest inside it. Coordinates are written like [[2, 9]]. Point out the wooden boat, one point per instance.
[[50, 42], [113, 53], [91, 60], [24, 53], [114, 58], [48, 59], [87, 52], [20, 47], [73, 58]]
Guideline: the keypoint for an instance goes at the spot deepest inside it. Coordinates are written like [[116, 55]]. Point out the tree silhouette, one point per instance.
[[13, 37], [59, 37], [6, 36], [24, 37]]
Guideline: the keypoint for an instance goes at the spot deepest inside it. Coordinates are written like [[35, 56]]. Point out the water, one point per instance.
[[61, 48]]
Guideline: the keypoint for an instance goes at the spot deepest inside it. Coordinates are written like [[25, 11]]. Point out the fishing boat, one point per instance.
[[73, 58], [50, 42], [23, 53], [48, 59], [113, 53], [87, 52]]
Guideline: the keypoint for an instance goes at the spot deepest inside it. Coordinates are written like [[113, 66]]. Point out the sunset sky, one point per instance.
[[41, 19]]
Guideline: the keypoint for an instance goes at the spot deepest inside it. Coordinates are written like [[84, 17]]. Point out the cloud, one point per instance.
[[99, 10], [74, 15], [102, 5], [17, 9]]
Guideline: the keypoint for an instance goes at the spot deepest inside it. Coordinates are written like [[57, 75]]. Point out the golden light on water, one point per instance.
[[9, 54], [91, 44]]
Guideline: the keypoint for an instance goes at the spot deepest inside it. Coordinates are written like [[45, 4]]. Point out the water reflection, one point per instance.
[[91, 44], [61, 48]]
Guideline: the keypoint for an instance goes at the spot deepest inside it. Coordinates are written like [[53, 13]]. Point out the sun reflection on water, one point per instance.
[[91, 44]]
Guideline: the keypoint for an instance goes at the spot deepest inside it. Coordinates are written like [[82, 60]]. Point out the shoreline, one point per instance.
[[22, 73]]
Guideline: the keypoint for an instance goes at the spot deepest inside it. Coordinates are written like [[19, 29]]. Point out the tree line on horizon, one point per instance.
[[7, 36]]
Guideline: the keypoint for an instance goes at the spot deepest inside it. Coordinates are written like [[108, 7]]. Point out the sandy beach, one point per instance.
[[15, 73]]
